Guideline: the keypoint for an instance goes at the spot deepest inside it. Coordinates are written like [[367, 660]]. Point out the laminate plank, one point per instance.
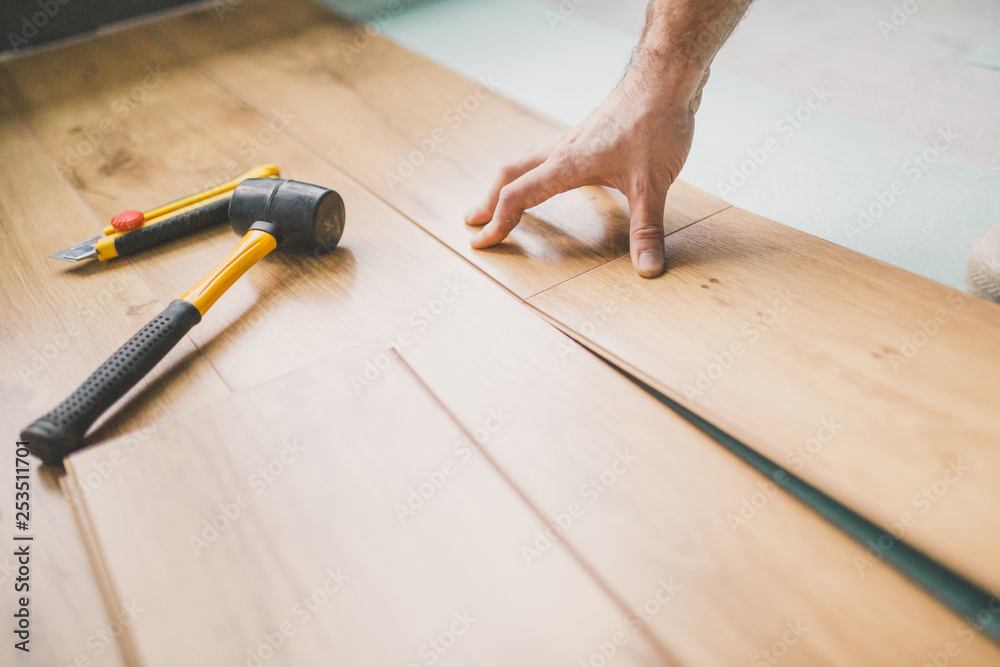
[[747, 558], [313, 60], [265, 527], [872, 383], [571, 414], [402, 125], [58, 326], [292, 309]]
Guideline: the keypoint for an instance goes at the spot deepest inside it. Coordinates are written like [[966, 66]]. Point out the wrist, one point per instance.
[[680, 77]]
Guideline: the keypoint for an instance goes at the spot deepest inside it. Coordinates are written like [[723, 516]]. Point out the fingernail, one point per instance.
[[650, 264], [468, 214], [476, 238]]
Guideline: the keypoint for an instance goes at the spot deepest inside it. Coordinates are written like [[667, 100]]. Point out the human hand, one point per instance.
[[636, 141]]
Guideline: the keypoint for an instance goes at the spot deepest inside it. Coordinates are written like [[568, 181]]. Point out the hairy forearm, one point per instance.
[[681, 38]]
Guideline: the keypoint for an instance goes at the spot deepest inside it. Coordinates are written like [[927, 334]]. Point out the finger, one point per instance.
[[646, 233], [541, 183], [481, 214]]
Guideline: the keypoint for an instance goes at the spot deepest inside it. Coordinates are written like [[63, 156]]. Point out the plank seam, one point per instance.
[[615, 259], [934, 577], [70, 489], [125, 642], [574, 553], [952, 589], [138, 270], [323, 155]]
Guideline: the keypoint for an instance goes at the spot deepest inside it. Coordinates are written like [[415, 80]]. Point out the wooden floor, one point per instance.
[[404, 453]]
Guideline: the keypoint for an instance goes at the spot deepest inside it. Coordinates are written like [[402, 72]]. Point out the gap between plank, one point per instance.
[[964, 597]]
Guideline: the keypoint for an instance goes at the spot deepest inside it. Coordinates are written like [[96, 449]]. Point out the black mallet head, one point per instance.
[[299, 215]]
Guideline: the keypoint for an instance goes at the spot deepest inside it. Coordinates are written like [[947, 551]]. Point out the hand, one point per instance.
[[636, 142]]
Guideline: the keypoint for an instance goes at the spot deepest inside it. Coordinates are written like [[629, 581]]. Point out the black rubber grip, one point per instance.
[[180, 225], [61, 431]]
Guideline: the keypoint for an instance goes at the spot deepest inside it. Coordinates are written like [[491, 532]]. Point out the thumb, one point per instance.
[[646, 233]]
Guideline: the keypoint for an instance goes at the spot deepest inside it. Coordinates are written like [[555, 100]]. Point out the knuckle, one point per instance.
[[564, 154], [646, 230], [510, 195], [565, 168], [507, 172]]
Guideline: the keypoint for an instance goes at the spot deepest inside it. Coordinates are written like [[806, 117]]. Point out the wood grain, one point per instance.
[[292, 309], [338, 468], [403, 126], [667, 517], [872, 383], [58, 326], [747, 559], [310, 64]]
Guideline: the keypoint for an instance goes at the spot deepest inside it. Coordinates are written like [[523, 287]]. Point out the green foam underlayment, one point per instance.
[[966, 598], [910, 205], [988, 55]]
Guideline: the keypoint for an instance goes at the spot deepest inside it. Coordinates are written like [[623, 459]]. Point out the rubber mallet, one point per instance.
[[268, 213]]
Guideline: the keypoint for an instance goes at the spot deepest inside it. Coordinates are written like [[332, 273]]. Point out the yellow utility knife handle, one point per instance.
[[254, 245], [106, 248], [167, 211], [112, 232]]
